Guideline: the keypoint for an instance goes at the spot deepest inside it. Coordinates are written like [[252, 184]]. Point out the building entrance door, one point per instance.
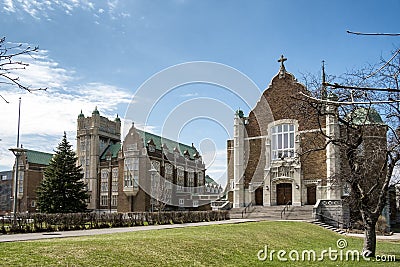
[[259, 196], [311, 195], [283, 193]]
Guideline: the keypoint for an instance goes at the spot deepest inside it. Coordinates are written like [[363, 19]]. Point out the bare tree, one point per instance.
[[365, 107], [9, 64]]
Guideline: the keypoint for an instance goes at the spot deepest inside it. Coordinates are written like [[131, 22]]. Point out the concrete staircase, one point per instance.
[[274, 213], [329, 227]]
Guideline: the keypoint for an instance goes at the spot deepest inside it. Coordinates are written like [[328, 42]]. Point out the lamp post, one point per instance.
[[17, 153]]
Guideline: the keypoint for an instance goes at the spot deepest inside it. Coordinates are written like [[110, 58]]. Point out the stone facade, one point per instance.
[[273, 160], [94, 135], [158, 173], [265, 174], [145, 172]]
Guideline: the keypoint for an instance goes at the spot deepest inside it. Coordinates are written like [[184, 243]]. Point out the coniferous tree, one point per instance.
[[62, 189]]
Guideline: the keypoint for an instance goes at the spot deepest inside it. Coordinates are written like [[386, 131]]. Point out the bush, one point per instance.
[[40, 222], [381, 225]]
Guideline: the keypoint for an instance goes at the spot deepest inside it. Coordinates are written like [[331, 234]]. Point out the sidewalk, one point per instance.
[[394, 237], [62, 234]]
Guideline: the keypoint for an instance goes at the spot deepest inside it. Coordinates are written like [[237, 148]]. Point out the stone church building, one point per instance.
[[268, 163]]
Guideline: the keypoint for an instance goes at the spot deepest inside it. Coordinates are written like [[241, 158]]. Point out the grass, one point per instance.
[[217, 245]]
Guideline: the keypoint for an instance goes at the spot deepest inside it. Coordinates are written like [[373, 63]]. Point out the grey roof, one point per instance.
[[159, 141]]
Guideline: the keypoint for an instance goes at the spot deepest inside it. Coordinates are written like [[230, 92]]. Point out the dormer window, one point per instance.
[[186, 154], [151, 146], [282, 139]]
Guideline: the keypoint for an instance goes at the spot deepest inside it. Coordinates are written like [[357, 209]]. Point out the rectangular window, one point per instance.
[[180, 178], [181, 202], [132, 147], [115, 180], [104, 181], [169, 174], [21, 182], [114, 200], [131, 172], [190, 177], [104, 200], [282, 137], [83, 145], [195, 203]]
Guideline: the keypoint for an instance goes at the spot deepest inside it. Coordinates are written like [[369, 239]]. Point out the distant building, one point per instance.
[[212, 187], [5, 192], [31, 167]]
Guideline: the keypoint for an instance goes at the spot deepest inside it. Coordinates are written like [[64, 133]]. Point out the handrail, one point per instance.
[[246, 208], [286, 208], [332, 219]]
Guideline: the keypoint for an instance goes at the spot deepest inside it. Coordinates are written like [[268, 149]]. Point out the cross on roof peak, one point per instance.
[[281, 60], [282, 69]]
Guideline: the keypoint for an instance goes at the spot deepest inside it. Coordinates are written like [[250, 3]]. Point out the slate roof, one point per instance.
[[113, 148], [38, 157], [159, 141], [210, 180]]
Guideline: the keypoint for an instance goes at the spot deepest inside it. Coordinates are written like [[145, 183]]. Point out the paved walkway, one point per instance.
[[394, 237], [62, 234]]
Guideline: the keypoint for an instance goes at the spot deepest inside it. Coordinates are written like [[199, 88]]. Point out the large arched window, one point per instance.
[[282, 138]]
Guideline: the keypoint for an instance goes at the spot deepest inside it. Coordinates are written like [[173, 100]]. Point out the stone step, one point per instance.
[[274, 213], [329, 227]]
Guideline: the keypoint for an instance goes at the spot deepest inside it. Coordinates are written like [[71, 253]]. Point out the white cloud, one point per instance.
[[38, 9], [46, 9], [216, 165], [45, 115], [9, 6]]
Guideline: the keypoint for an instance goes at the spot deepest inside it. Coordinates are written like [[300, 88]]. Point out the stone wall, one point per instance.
[[332, 212]]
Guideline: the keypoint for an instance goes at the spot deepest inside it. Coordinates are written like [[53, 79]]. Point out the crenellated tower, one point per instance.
[[94, 135]]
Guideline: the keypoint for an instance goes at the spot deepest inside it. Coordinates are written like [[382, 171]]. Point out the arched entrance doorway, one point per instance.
[[259, 196], [283, 193], [311, 194]]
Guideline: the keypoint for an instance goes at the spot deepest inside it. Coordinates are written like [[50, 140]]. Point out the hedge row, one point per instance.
[[40, 222]]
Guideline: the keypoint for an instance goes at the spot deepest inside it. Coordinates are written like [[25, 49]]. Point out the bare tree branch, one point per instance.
[[8, 65], [383, 34]]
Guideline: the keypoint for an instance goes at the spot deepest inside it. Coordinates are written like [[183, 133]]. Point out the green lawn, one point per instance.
[[218, 245]]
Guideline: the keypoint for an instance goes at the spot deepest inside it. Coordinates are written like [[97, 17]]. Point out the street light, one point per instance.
[[17, 153]]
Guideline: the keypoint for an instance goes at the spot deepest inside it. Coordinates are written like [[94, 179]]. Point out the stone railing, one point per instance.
[[332, 212]]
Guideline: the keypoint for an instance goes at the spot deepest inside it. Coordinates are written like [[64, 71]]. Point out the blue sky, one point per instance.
[[101, 52]]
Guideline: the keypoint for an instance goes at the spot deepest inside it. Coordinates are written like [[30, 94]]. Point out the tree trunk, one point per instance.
[[369, 240]]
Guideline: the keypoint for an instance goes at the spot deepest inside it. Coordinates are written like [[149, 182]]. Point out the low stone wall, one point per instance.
[[332, 212]]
